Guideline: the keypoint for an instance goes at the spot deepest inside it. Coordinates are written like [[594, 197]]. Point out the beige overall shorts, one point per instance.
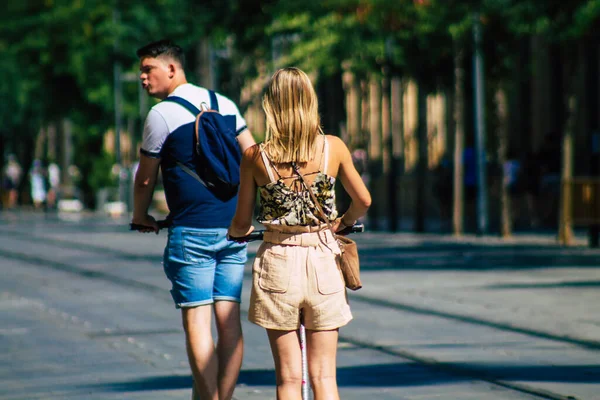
[[296, 270], [296, 273]]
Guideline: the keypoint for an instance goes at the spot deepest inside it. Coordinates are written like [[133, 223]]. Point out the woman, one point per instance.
[[295, 274]]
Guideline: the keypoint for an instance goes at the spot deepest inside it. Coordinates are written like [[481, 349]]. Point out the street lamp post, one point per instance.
[[479, 95]]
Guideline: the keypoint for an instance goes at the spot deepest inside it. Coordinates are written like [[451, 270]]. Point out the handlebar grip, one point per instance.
[[256, 235], [163, 223], [356, 228]]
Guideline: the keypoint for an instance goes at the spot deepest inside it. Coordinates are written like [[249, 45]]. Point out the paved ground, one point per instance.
[[85, 314]]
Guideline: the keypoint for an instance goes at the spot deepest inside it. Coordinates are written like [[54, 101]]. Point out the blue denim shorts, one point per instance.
[[203, 266]]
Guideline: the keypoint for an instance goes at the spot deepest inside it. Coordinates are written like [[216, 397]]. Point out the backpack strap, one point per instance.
[[195, 111], [184, 103], [191, 173], [214, 104]]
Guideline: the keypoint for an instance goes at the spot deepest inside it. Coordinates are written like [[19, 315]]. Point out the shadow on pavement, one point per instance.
[[422, 310], [388, 375], [547, 285], [468, 257]]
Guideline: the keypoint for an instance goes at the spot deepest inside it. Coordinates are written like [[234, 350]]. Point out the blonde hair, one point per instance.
[[292, 112]]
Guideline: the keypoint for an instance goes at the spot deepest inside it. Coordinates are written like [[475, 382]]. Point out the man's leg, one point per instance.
[[201, 351], [230, 346], [227, 290]]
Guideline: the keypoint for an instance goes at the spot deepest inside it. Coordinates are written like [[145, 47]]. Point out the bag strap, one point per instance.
[[214, 104], [191, 173], [184, 103], [313, 197], [196, 112]]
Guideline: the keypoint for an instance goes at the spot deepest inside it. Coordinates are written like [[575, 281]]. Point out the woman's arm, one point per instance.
[[354, 186], [241, 224]]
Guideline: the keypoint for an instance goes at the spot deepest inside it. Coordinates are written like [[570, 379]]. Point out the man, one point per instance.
[[205, 269]]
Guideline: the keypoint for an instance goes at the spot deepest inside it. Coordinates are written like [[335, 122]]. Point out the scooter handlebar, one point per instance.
[[162, 224], [258, 235]]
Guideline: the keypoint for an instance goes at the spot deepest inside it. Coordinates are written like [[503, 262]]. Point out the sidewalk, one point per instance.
[[86, 314]]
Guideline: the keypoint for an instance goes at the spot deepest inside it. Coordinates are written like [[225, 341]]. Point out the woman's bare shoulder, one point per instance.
[[335, 141], [336, 144]]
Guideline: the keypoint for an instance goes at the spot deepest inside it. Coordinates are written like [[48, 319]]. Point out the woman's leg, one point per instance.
[[285, 346], [322, 349]]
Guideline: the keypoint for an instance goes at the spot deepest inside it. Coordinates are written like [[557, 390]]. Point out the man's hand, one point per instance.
[[234, 234], [147, 222]]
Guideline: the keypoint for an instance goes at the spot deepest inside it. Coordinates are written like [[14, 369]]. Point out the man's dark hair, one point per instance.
[[162, 47]]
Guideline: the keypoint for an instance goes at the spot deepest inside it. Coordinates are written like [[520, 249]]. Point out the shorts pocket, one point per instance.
[[329, 276], [275, 272], [197, 246]]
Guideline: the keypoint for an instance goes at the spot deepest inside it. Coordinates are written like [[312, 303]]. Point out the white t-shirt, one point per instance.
[[166, 116]]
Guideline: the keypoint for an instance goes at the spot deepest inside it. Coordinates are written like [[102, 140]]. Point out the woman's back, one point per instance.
[[284, 199], [295, 276]]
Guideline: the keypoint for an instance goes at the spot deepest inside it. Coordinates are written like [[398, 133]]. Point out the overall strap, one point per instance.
[[267, 163], [184, 103], [214, 104], [325, 160]]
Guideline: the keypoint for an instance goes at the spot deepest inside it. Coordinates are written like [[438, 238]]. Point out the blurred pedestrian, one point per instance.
[[531, 177], [205, 269], [53, 184], [470, 173], [295, 275], [11, 180], [37, 180]]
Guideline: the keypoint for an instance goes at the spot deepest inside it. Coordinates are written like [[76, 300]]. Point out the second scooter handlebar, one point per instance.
[[259, 235]]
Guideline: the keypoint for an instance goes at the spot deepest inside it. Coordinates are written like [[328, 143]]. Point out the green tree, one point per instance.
[[58, 57]]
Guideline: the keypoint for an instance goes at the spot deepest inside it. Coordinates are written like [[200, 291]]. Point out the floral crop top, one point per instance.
[[282, 205]]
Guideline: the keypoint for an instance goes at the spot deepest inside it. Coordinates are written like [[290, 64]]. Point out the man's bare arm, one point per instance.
[[245, 140], [143, 190]]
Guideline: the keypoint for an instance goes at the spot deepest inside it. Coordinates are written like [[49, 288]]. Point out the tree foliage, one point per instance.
[[58, 55]]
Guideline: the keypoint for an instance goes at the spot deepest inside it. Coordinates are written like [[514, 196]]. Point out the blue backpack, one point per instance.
[[217, 149]]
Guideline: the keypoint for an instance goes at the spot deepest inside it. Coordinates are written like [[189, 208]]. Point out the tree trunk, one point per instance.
[[422, 162], [396, 146], [67, 158], [565, 223], [388, 150], [502, 132], [375, 167], [205, 71], [40, 142], [565, 230], [459, 142], [352, 108]]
